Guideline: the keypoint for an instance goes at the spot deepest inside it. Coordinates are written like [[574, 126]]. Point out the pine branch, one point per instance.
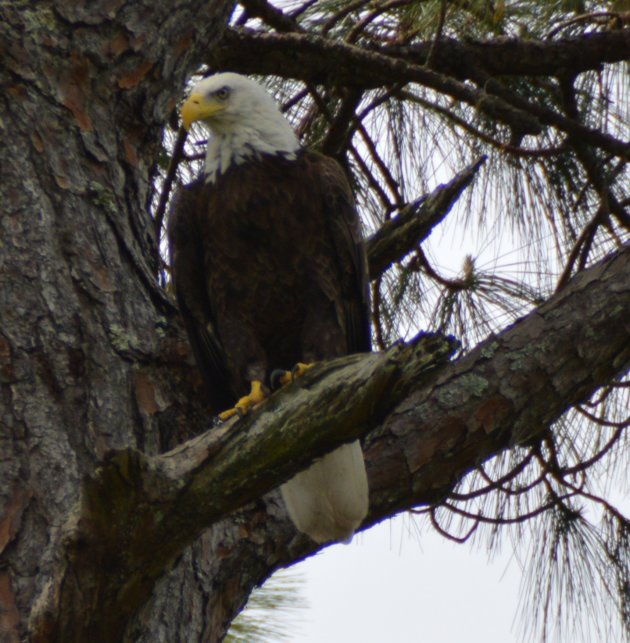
[[315, 59], [271, 15], [401, 235], [292, 56], [519, 56], [254, 52]]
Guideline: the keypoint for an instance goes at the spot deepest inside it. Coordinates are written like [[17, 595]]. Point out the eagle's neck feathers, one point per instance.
[[241, 142]]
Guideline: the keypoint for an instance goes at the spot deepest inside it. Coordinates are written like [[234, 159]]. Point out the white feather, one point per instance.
[[329, 500]]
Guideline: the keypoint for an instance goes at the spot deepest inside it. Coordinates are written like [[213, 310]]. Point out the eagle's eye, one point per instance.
[[222, 93]]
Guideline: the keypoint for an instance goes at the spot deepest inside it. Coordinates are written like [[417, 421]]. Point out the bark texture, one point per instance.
[[103, 538], [299, 55], [402, 234], [85, 344]]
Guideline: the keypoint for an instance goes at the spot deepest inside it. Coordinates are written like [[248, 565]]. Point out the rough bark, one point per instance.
[[85, 341], [95, 371], [297, 56], [402, 234]]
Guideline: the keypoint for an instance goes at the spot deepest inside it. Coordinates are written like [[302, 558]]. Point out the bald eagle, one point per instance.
[[269, 270]]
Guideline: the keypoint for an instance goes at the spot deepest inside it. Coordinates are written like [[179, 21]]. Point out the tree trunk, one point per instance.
[[95, 370], [89, 360]]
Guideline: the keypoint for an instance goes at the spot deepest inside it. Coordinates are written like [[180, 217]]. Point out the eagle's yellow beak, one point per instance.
[[197, 108]]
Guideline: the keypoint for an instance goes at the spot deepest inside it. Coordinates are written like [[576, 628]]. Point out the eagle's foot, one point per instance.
[[281, 378], [246, 403]]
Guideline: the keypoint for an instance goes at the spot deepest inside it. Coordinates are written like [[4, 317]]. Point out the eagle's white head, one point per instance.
[[243, 119]]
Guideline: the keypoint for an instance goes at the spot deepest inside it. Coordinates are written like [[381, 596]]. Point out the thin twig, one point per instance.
[[446, 534], [176, 157], [479, 517], [339, 132], [587, 233], [294, 100], [496, 485], [356, 31], [300, 10], [390, 181], [340, 15], [486, 138], [376, 313], [388, 206], [438, 35], [587, 464], [614, 15]]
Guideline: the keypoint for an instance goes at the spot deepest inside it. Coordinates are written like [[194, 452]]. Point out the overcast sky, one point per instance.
[[396, 586]]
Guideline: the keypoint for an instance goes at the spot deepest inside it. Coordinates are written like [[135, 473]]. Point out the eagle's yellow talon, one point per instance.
[[300, 369], [282, 378], [246, 403], [224, 416]]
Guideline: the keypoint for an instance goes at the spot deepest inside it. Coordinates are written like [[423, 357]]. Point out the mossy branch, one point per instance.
[[426, 423]]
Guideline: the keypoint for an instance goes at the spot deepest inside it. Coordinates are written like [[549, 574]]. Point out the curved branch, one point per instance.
[[426, 423], [500, 484]]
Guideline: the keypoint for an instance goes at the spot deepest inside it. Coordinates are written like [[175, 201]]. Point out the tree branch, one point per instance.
[[291, 55], [138, 513], [400, 235], [268, 13], [520, 56], [255, 52], [426, 424], [317, 59]]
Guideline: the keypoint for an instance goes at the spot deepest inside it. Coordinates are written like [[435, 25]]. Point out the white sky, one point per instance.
[[396, 583], [393, 585]]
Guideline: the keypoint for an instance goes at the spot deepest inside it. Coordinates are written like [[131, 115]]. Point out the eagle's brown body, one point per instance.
[[269, 270]]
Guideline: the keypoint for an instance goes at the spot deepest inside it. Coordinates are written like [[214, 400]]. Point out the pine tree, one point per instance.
[[123, 516]]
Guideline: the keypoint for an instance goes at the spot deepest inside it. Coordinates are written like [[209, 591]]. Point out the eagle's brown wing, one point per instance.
[[187, 269], [349, 251]]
